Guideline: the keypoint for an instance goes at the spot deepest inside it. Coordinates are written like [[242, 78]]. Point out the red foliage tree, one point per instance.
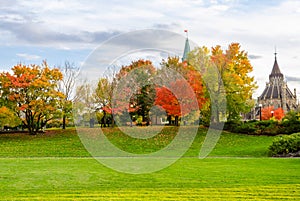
[[269, 112], [170, 99], [181, 91], [279, 113], [167, 100]]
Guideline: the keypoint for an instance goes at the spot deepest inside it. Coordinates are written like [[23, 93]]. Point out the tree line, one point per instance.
[[183, 91]]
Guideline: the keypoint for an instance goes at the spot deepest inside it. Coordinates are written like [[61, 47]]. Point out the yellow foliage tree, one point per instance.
[[231, 80], [8, 118]]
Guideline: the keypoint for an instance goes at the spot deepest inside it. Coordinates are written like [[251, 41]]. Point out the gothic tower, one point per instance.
[[277, 93]]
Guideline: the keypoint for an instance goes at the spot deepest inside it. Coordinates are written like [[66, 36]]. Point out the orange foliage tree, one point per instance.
[[187, 88], [269, 112], [31, 92]]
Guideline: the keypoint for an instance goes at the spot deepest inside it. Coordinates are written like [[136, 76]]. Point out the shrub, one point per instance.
[[247, 128], [230, 125], [268, 127], [286, 145], [290, 126], [55, 123], [290, 123]]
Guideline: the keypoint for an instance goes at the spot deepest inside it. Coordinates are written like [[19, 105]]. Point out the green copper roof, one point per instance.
[[186, 49]]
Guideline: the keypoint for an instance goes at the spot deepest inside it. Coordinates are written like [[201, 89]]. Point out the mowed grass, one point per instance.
[[54, 143], [55, 166], [66, 143]]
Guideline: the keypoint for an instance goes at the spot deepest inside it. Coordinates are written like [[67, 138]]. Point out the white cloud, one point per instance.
[[71, 24], [28, 56]]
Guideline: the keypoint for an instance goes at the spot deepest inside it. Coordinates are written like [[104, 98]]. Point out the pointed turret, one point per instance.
[[277, 93], [186, 47], [276, 71]]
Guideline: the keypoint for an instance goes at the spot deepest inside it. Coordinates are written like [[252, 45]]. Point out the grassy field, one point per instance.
[[55, 166]]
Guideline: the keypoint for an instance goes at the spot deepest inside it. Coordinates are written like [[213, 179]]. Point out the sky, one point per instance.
[[70, 30]]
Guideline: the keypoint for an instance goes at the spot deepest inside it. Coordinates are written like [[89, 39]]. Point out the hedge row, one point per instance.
[[286, 145], [269, 127]]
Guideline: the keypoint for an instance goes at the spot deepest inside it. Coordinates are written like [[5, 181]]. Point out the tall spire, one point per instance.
[[186, 47], [275, 70], [277, 93]]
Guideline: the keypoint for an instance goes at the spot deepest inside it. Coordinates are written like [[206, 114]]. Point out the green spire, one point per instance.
[[186, 47]]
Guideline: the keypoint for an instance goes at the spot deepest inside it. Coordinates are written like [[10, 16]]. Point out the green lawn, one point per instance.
[[55, 166]]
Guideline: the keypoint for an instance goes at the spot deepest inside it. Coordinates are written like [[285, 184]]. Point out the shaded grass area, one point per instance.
[[55, 166]]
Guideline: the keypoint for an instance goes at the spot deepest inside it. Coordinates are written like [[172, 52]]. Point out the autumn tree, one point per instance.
[[8, 118], [268, 113], [232, 79], [103, 96], [31, 93], [186, 87], [239, 85], [200, 59], [66, 86], [84, 104], [136, 79], [166, 99]]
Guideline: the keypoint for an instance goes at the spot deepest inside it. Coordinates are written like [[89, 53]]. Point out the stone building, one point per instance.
[[277, 93]]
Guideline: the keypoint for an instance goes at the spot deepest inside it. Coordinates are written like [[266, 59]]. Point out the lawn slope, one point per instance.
[[55, 166]]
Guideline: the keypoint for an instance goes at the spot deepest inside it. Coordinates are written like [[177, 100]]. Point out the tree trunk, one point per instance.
[[176, 121], [30, 126], [169, 120], [64, 122], [112, 122]]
